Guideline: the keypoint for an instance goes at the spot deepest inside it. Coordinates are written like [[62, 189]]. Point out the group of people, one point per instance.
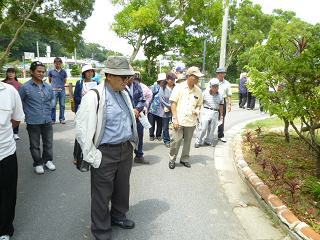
[[245, 94], [108, 128]]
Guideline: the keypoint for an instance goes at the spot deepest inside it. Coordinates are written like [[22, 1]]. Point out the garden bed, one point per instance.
[[288, 169]]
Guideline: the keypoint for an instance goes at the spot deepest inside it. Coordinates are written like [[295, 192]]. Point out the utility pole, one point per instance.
[[204, 56], [223, 47], [75, 56], [38, 50]]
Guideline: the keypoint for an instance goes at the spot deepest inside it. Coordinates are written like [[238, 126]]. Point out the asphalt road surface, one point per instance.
[[166, 204]]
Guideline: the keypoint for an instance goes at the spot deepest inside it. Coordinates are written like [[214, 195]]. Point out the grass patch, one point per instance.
[[287, 168], [269, 123]]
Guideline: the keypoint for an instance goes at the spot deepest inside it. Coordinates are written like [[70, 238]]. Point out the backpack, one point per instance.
[[82, 165]]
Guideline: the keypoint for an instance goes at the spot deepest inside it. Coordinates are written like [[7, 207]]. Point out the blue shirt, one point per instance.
[[242, 85], [36, 101], [118, 120], [58, 79]]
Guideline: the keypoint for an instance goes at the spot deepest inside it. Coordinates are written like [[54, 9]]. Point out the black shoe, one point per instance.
[[196, 145], [141, 160], [167, 145], [186, 164], [172, 164], [159, 138], [207, 144], [125, 224], [151, 138]]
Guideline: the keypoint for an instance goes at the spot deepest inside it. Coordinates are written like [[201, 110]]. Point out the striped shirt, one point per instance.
[[212, 101]]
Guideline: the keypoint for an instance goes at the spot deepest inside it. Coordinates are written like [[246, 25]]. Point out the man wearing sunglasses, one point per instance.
[[107, 133]]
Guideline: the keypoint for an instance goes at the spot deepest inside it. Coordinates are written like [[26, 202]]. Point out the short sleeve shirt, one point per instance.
[[225, 89], [10, 108], [187, 101], [212, 101], [58, 78]]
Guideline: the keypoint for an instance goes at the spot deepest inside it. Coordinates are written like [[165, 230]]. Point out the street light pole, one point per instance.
[[223, 47]]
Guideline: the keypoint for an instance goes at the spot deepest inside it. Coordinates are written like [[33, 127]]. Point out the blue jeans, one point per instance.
[[165, 127], [140, 129], [61, 96], [46, 133]]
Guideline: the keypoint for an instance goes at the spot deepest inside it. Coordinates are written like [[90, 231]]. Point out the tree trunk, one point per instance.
[[318, 165], [6, 53], [136, 49], [286, 130], [149, 67]]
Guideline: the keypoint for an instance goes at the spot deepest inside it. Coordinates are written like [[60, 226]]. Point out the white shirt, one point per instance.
[[225, 89], [10, 108]]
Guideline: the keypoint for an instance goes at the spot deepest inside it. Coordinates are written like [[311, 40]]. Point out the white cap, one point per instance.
[[162, 76], [86, 68], [214, 81]]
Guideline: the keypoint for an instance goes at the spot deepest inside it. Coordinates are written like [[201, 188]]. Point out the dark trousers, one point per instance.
[[110, 182], [46, 133], [153, 119], [251, 101], [221, 127], [16, 130], [140, 129], [242, 99], [8, 193], [165, 127]]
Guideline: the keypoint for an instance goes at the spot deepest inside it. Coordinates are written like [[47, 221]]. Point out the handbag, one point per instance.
[[82, 165]]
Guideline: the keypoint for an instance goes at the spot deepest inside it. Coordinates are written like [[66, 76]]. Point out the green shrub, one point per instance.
[[312, 185], [75, 70]]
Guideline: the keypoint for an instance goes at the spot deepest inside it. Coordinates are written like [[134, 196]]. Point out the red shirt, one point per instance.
[[14, 83]]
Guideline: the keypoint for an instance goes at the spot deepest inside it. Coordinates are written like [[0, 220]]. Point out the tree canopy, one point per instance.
[[60, 19], [289, 63]]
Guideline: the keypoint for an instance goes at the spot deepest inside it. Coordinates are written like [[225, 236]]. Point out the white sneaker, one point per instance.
[[16, 137], [39, 169], [222, 139], [50, 166], [5, 237]]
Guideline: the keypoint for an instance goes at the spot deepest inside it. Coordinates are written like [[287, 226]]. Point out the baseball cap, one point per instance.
[[194, 71], [171, 76], [118, 65], [221, 70], [214, 81]]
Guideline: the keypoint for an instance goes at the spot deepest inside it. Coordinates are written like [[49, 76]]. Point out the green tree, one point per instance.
[[143, 22], [290, 59], [75, 70], [63, 19]]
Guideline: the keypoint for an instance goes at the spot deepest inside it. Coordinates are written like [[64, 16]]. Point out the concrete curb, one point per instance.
[[295, 227]]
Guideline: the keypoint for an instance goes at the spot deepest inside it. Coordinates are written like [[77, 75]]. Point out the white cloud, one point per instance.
[[307, 10], [98, 29]]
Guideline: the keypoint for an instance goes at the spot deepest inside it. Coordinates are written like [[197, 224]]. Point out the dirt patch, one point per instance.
[[289, 171]]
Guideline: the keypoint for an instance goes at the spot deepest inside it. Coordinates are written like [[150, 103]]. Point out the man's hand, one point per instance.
[[136, 113], [175, 123]]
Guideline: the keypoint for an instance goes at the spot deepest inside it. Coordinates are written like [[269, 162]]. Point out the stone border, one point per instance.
[[297, 228]]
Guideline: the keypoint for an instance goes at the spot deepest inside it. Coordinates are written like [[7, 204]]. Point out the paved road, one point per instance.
[[165, 204]]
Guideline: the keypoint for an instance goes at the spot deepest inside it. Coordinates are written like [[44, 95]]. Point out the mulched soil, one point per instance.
[[288, 169]]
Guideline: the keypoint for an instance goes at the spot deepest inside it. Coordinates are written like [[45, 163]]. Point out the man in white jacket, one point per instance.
[[107, 134]]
